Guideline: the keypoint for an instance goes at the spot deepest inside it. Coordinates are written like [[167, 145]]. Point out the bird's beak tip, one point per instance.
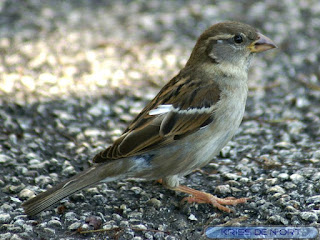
[[262, 44]]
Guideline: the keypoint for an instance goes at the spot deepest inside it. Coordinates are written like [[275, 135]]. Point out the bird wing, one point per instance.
[[183, 106]]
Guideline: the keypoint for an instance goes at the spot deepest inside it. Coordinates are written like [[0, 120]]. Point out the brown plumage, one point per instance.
[[150, 131], [184, 126]]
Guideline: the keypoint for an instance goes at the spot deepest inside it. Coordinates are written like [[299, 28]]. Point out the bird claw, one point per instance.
[[215, 201]]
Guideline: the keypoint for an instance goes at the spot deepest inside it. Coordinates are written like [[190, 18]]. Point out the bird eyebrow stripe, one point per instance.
[[221, 36]]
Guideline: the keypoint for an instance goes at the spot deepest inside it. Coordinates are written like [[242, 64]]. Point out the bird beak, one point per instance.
[[262, 44]]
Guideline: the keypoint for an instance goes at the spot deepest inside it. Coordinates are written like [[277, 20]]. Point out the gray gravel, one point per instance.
[[74, 73]]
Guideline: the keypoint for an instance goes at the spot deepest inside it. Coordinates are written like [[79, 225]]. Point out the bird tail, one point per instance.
[[105, 172]]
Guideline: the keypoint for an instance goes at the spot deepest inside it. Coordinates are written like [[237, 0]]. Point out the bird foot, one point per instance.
[[202, 197]]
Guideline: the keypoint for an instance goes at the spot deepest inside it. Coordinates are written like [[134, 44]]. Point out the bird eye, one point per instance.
[[238, 39]]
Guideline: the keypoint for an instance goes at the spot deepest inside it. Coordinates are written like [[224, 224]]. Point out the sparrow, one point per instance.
[[187, 123]]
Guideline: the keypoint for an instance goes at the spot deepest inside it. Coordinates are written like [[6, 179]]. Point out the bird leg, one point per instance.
[[203, 197]]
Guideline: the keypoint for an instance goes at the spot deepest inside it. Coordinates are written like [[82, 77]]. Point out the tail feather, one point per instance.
[[106, 172]]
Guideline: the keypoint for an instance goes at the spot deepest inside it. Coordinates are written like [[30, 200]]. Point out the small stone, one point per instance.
[[135, 215], [244, 180], [296, 178], [5, 218], [74, 226], [6, 207], [289, 185], [4, 158], [284, 153], [192, 217], [140, 227], [233, 183], [124, 224], [225, 152], [26, 194], [70, 216], [222, 190], [116, 217], [69, 171], [19, 222], [295, 127], [170, 238], [276, 219], [98, 109], [276, 189], [309, 216], [15, 237], [285, 145], [13, 188], [6, 236], [37, 164], [92, 132], [231, 176], [148, 235], [136, 190], [291, 209], [154, 202], [283, 176], [110, 225], [313, 199], [159, 235], [255, 188], [266, 149], [137, 238], [271, 181], [316, 176], [54, 223], [123, 207], [85, 227], [49, 231], [316, 154]]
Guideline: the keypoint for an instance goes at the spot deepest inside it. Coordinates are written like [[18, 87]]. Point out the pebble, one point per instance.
[[154, 202], [276, 219], [289, 185], [116, 217], [316, 176], [137, 238], [231, 176], [26, 194], [222, 190], [276, 189], [74, 226], [136, 190], [309, 216], [15, 237], [159, 235], [4, 159], [54, 223], [5, 218], [296, 178], [148, 235], [140, 227], [6, 236], [283, 176], [314, 199], [49, 232], [315, 155], [192, 217]]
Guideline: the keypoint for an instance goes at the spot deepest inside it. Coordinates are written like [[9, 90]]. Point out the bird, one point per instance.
[[186, 124]]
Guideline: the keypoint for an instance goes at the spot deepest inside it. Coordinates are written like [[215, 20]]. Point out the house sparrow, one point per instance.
[[189, 121]]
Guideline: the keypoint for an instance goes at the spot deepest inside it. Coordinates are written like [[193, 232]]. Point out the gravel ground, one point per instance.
[[74, 73]]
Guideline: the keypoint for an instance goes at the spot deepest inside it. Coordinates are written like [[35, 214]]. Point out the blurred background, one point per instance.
[[74, 73]]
